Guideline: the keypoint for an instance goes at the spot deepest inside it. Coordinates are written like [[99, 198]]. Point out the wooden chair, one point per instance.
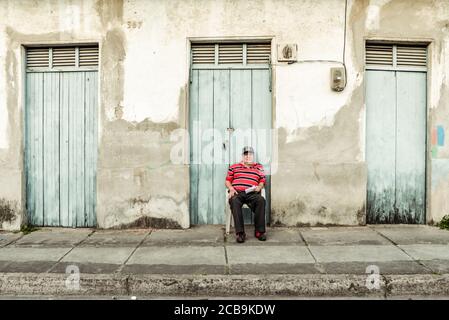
[[229, 218]]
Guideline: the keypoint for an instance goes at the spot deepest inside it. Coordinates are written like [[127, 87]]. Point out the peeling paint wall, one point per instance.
[[144, 79], [422, 20]]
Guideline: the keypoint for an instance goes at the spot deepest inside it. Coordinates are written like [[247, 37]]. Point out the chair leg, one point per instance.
[[228, 221]]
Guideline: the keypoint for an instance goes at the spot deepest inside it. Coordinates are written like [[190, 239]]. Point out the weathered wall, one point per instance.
[[416, 20], [144, 67], [338, 149], [22, 23]]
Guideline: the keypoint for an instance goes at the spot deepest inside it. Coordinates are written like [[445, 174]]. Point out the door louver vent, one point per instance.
[[258, 52], [38, 58], [230, 53], [379, 54], [62, 57], [203, 53], [411, 56], [88, 56], [396, 56]]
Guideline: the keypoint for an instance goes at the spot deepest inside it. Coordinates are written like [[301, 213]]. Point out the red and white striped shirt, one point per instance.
[[243, 177]]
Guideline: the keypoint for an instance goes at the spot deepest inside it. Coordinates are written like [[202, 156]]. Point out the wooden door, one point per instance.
[[61, 148], [224, 105], [395, 146]]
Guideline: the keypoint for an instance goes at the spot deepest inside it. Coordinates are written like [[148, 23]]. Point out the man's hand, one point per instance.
[[259, 188], [232, 192]]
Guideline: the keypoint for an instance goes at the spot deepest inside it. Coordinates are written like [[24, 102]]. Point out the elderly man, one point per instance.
[[245, 180]]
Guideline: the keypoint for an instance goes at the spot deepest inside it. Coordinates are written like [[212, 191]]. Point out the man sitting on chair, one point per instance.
[[245, 180]]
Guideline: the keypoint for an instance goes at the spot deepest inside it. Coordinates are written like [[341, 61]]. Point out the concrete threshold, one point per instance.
[[301, 285]]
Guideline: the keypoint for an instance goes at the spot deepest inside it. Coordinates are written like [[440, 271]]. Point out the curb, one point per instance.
[[305, 285]]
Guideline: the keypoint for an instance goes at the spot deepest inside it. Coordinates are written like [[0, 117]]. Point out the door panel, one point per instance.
[[34, 147], [61, 148], [395, 146], [64, 164], [51, 148], [76, 148], [380, 144], [261, 123], [221, 152], [194, 147], [410, 146], [91, 155], [241, 112], [241, 119], [205, 107], [222, 99]]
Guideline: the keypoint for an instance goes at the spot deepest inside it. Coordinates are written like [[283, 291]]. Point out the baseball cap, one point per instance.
[[248, 150]]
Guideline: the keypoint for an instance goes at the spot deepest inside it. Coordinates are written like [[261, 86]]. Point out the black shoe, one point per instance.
[[241, 237], [260, 235]]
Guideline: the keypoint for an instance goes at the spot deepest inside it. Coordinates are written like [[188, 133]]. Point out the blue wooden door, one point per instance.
[[395, 146], [411, 147], [224, 103], [61, 148]]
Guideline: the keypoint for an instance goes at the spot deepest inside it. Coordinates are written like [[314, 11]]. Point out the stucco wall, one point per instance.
[[144, 72], [414, 21]]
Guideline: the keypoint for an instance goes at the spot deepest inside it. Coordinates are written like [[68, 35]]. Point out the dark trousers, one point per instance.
[[255, 202]]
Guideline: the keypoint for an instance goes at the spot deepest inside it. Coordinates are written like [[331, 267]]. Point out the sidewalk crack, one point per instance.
[[227, 267], [14, 241], [307, 245], [317, 265], [76, 245], [119, 270], [406, 253], [225, 241]]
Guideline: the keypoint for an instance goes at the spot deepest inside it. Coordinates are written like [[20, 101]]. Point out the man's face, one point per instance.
[[248, 157]]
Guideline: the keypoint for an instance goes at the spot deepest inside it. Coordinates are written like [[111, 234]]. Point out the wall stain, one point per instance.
[[7, 211], [142, 201], [150, 222], [279, 214], [12, 99], [182, 106], [140, 142], [337, 143], [361, 216], [339, 146], [165, 128], [356, 26], [439, 115], [322, 211], [110, 12], [416, 10], [113, 54]]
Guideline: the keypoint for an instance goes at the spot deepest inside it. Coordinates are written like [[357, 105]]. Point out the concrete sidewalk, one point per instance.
[[412, 260]]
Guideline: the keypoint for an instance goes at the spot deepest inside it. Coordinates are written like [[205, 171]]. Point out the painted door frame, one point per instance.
[[229, 39], [430, 43], [22, 112]]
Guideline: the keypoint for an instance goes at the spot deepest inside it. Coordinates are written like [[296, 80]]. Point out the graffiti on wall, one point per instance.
[[437, 140]]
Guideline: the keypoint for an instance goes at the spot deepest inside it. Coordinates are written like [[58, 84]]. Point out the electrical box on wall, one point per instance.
[[287, 52], [338, 78]]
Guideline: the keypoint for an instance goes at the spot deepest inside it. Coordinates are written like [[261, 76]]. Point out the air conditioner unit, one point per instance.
[[287, 52]]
